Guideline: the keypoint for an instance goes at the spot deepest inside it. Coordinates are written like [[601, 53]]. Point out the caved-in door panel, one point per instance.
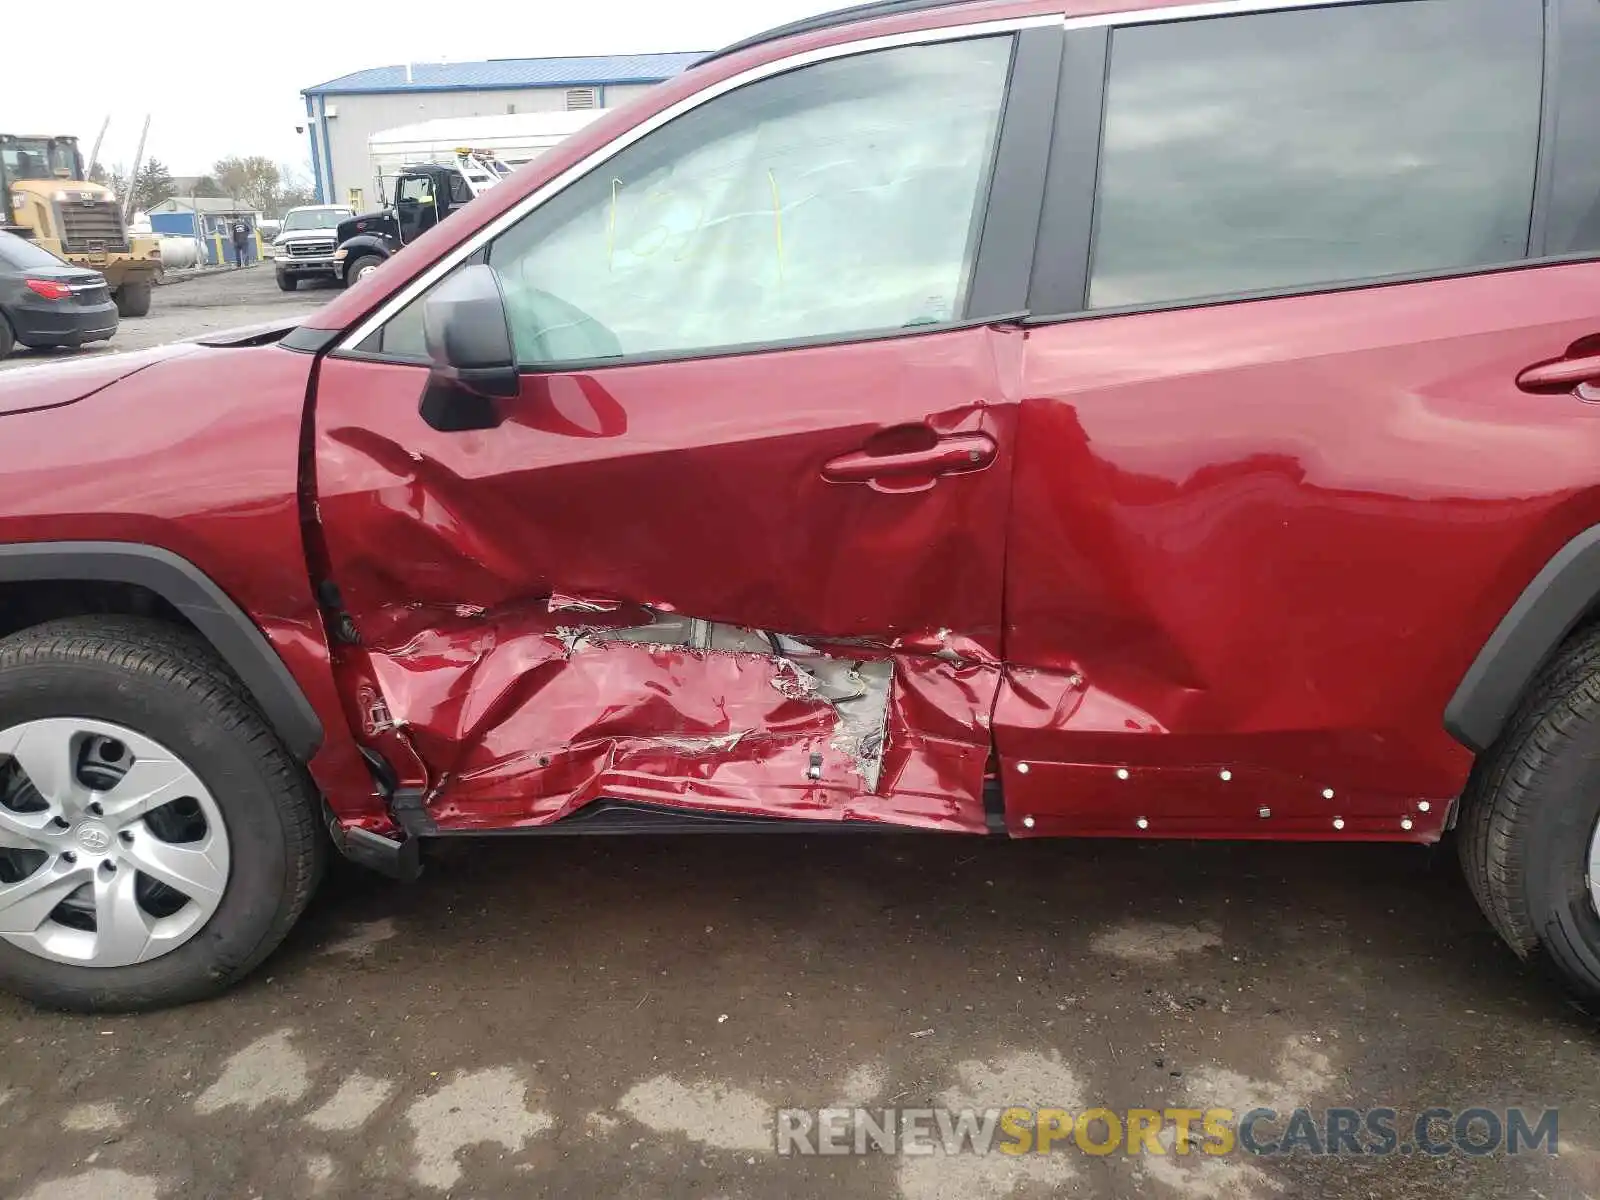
[[1254, 548], [644, 584]]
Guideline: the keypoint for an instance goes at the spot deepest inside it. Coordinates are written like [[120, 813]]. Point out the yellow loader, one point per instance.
[[45, 196]]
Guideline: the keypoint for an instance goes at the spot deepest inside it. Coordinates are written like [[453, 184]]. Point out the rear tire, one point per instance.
[[133, 300], [162, 684], [1529, 817], [287, 283], [8, 340]]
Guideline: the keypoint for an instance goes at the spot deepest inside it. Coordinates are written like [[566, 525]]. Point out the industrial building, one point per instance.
[[343, 113]]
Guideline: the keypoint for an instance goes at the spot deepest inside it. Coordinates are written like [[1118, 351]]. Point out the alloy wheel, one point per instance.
[[112, 851], [1591, 874]]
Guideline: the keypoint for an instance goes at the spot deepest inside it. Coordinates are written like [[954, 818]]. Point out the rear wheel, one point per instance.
[[1530, 822], [361, 267], [133, 300], [287, 283], [8, 340], [156, 840]]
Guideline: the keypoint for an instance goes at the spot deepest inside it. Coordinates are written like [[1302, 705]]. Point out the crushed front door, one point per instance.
[[737, 544], [645, 586]]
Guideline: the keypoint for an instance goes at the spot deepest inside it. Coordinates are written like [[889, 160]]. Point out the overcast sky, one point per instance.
[[220, 79]]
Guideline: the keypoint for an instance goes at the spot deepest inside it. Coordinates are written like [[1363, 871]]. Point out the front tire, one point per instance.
[[1530, 822], [133, 300], [228, 827], [287, 283], [360, 268]]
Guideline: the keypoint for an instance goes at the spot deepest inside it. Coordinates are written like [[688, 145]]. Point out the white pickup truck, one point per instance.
[[306, 242]]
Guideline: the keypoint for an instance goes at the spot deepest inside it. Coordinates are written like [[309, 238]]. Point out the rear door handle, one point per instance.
[[913, 470], [1565, 374]]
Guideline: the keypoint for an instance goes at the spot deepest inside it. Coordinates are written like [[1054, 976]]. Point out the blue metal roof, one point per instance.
[[590, 71]]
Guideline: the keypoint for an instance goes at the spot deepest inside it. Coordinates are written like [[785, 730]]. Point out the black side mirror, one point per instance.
[[474, 361]]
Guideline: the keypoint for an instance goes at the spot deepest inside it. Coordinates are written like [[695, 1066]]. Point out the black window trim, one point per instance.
[[1544, 162], [1009, 214], [1066, 228], [1064, 250], [587, 366]]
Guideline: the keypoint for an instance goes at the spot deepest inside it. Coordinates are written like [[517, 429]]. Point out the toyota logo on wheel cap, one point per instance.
[[94, 839]]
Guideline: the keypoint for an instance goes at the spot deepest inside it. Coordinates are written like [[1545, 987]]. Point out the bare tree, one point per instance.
[[252, 180], [294, 188]]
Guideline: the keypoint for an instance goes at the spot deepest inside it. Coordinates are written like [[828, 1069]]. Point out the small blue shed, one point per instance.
[[210, 220]]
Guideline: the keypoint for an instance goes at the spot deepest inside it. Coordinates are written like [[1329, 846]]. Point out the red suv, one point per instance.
[[1133, 420]]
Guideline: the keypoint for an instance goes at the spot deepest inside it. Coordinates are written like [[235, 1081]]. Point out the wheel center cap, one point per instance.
[[96, 839]]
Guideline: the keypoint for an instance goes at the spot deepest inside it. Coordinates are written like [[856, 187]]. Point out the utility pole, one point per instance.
[[94, 155], [133, 179]]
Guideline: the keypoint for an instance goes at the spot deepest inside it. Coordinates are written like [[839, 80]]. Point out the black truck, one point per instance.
[[424, 195]]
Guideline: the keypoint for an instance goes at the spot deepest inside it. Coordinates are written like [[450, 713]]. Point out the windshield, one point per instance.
[[23, 255], [315, 218], [38, 158]]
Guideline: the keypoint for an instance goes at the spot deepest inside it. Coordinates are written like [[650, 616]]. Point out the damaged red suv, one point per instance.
[[1006, 418]]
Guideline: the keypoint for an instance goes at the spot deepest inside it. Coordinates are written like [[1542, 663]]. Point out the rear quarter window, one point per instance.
[[1574, 221]]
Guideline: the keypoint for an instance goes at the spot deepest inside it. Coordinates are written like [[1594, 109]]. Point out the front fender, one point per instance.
[[367, 243]]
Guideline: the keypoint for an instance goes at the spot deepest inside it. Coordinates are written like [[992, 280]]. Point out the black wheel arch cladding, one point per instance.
[[228, 629], [1552, 605]]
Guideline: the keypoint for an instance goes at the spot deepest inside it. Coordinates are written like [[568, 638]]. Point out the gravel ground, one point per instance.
[[188, 307], [620, 1017]]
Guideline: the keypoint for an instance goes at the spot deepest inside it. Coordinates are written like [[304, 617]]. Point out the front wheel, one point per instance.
[[287, 283], [133, 300], [156, 840], [1530, 822], [360, 268]]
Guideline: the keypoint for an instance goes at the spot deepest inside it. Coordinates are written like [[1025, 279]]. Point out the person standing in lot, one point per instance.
[[241, 236]]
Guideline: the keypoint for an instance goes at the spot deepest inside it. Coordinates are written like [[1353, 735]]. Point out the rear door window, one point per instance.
[[1286, 150]]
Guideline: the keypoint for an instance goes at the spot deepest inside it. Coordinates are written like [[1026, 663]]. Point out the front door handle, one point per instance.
[[913, 470], [1565, 374]]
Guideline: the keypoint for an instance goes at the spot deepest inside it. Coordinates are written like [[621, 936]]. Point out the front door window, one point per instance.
[[834, 200]]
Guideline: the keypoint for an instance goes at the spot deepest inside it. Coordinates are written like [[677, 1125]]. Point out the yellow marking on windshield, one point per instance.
[[611, 227], [777, 219]]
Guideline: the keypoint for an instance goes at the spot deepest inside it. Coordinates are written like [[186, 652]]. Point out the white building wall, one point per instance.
[[360, 115]]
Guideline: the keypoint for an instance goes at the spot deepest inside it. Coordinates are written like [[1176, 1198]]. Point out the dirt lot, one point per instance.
[[620, 1017], [188, 307]]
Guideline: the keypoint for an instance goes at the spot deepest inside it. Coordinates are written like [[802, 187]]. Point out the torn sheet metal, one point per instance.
[[522, 716], [856, 689]]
